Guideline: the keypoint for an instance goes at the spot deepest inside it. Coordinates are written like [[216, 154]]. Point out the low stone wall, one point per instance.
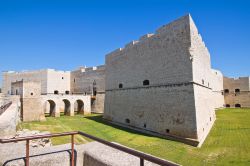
[[97, 154], [9, 120]]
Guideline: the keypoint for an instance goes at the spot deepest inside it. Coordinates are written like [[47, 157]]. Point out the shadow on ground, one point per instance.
[[99, 119]]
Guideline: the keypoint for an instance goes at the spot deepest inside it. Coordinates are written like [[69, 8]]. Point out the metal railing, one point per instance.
[[140, 155], [5, 107]]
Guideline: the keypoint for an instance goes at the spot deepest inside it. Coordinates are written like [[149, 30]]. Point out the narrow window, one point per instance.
[[62, 78], [16, 92], [237, 90], [56, 92], [226, 90], [120, 86], [74, 80], [146, 82], [203, 82], [145, 125], [167, 130], [127, 120], [210, 119]]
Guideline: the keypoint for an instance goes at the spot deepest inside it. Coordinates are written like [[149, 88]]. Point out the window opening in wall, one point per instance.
[[145, 125], [56, 92], [208, 84], [226, 90], [203, 82], [74, 80], [62, 78], [127, 120], [146, 82], [66, 92], [94, 90], [228, 105], [31, 93], [167, 130], [237, 105], [237, 90], [16, 92], [210, 119], [120, 86]]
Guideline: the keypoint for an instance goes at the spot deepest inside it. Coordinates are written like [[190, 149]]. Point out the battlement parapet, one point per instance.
[[90, 69]]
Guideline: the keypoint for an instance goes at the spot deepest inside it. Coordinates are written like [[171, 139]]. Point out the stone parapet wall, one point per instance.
[[9, 120]]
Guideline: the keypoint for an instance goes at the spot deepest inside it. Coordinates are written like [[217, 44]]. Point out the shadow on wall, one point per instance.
[[99, 119]]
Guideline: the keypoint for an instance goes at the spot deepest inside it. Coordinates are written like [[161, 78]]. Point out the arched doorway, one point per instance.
[[66, 107], [49, 108], [79, 107]]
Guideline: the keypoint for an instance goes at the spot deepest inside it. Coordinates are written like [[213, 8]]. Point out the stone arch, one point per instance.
[[79, 107], [50, 108], [67, 106]]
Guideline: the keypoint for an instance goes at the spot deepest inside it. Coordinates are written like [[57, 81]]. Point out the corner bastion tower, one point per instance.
[[163, 84]]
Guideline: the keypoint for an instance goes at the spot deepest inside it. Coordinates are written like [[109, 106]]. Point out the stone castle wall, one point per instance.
[[51, 80], [30, 92], [88, 80], [176, 101], [237, 92]]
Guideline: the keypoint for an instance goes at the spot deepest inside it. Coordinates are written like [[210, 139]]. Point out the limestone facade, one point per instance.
[[237, 92], [164, 83], [29, 92], [90, 81], [81, 84], [51, 80]]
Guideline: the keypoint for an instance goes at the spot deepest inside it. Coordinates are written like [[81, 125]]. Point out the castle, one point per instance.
[[50, 92], [162, 84]]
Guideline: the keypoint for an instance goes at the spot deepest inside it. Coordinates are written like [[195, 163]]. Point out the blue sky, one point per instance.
[[67, 34]]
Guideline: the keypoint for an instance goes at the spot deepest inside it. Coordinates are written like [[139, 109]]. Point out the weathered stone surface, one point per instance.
[[164, 83], [9, 120], [237, 92], [96, 154], [50, 79], [44, 142]]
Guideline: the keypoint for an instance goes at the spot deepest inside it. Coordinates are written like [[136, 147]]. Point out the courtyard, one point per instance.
[[227, 144]]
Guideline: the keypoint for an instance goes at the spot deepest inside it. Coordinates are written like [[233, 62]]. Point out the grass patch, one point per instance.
[[228, 142]]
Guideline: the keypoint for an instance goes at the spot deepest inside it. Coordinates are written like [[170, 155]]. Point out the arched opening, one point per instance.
[[228, 105], [226, 91], [67, 92], [237, 105], [79, 107], [66, 107], [56, 92], [49, 108], [146, 82]]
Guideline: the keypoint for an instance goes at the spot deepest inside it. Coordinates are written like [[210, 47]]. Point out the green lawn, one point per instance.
[[227, 144]]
